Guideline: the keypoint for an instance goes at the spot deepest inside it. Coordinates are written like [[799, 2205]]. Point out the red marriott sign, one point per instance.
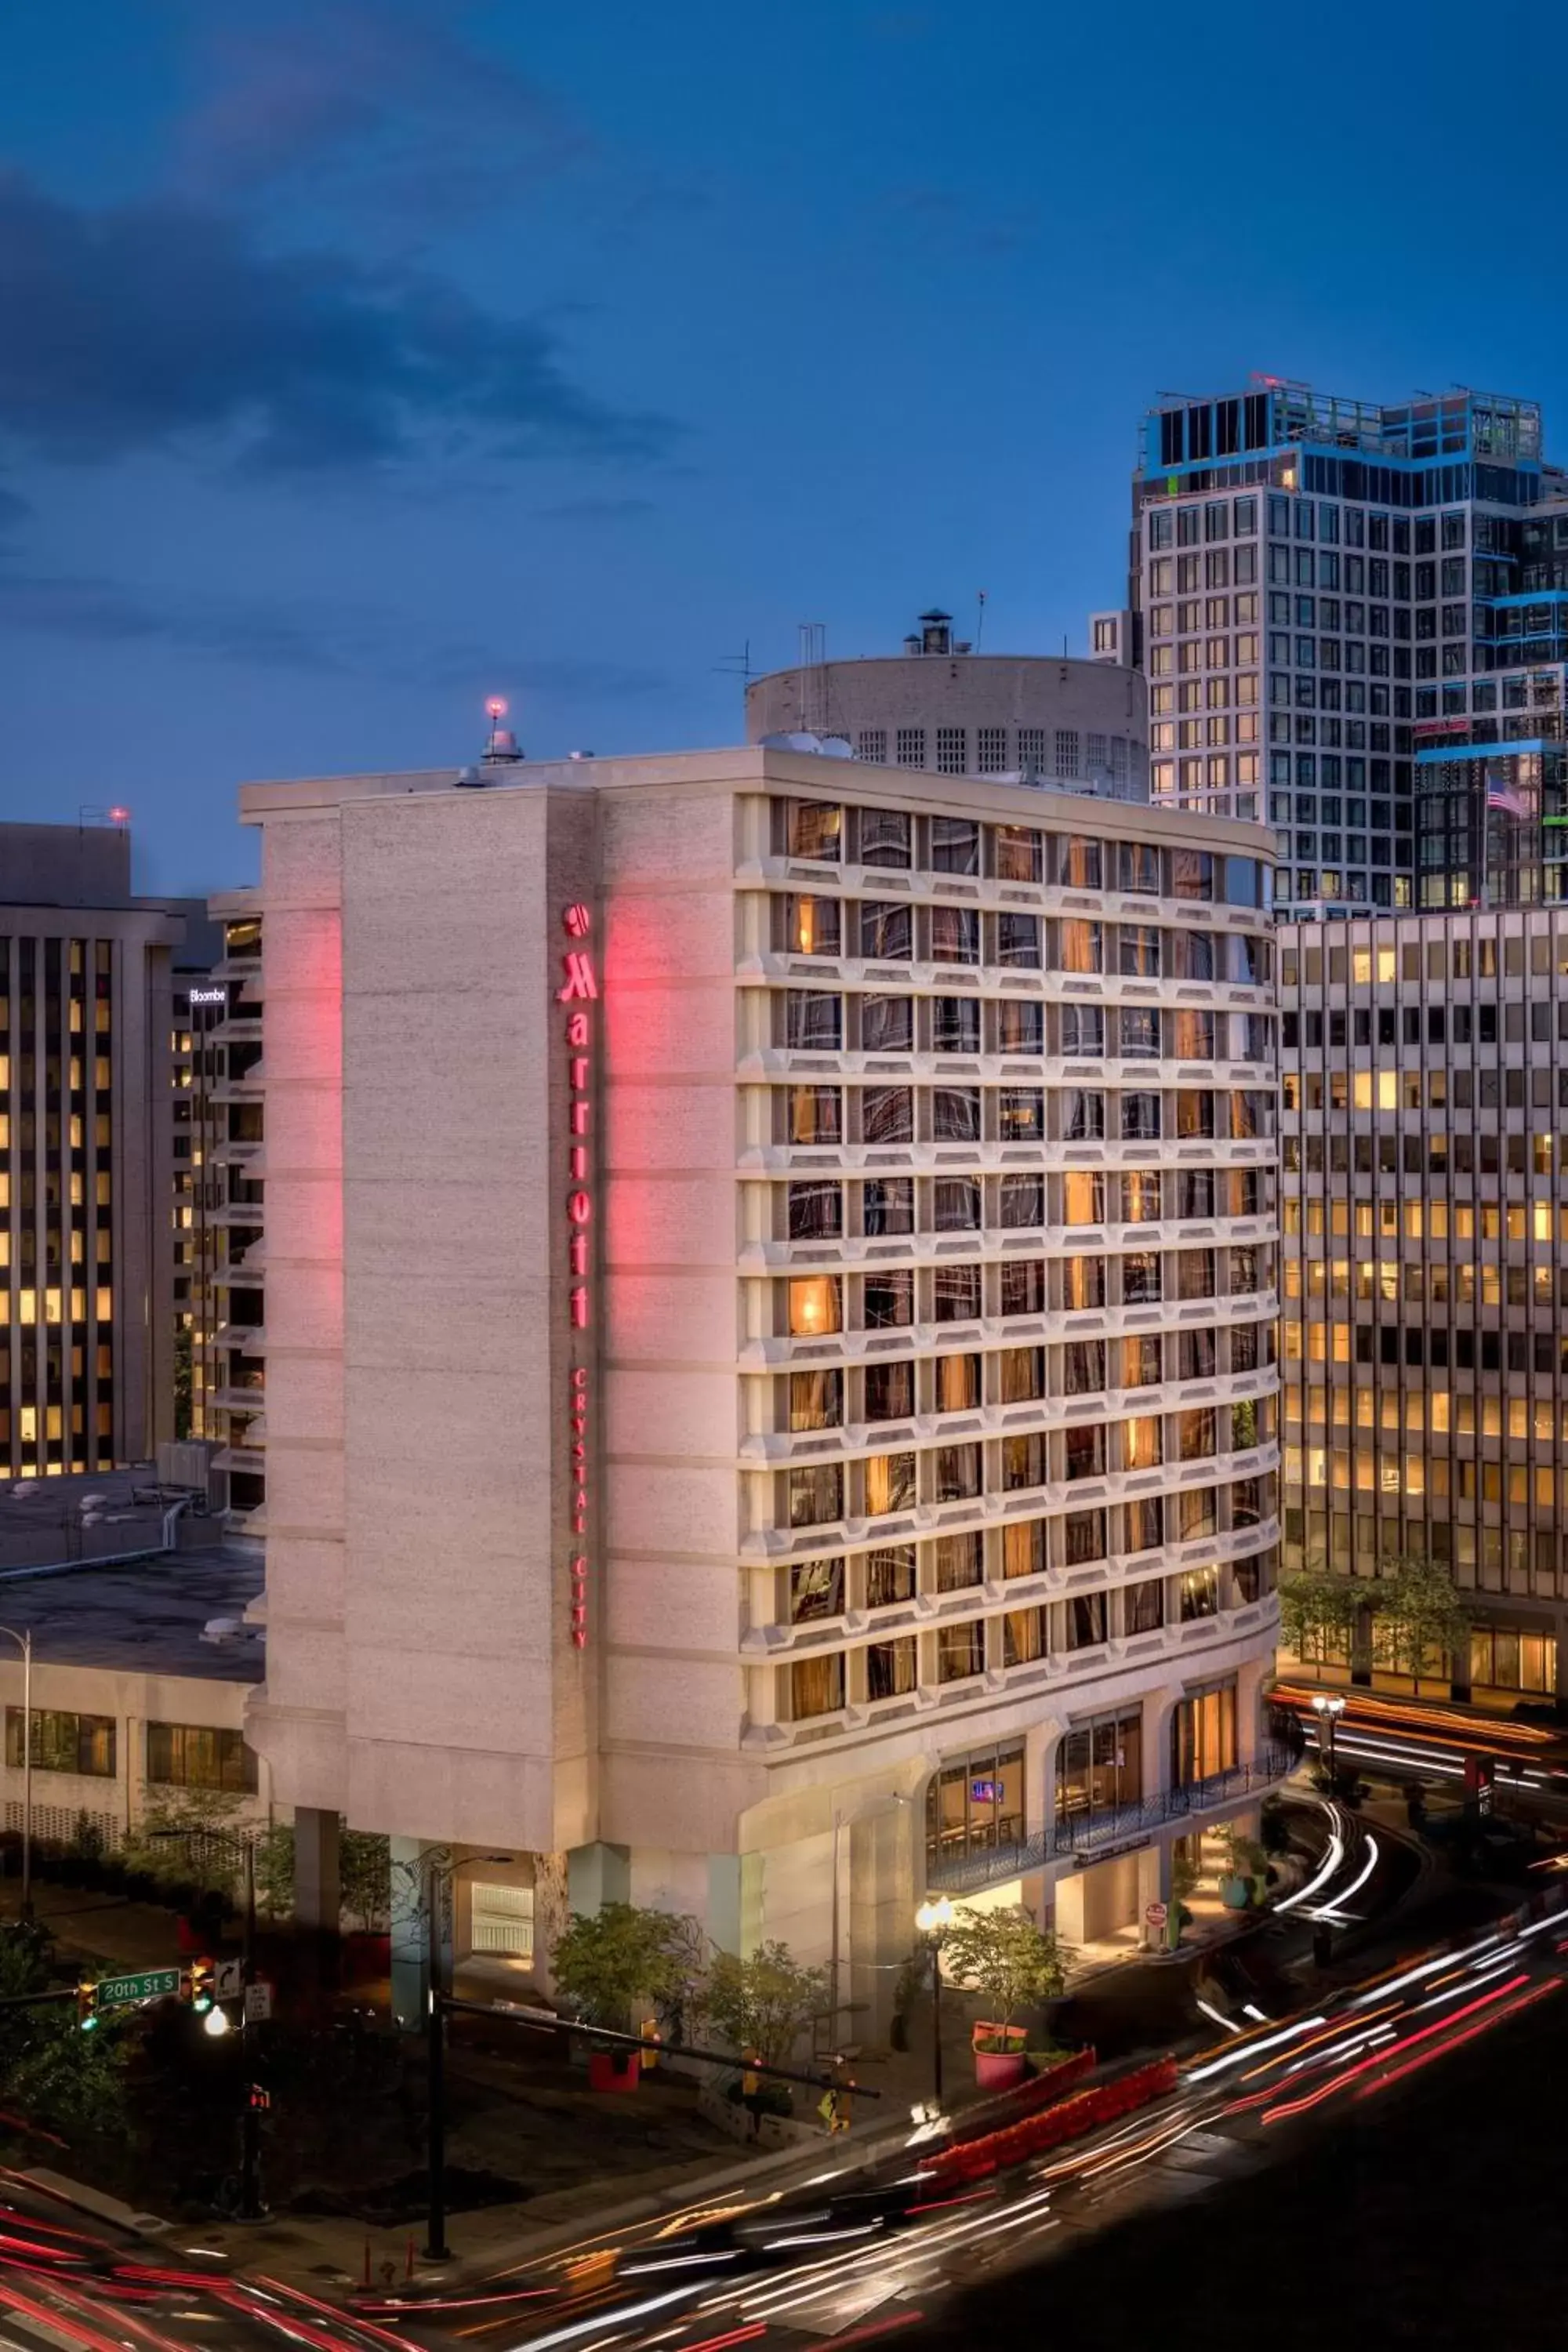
[[579, 993]]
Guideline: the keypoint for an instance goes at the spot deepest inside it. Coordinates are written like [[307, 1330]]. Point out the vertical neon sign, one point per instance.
[[579, 991]]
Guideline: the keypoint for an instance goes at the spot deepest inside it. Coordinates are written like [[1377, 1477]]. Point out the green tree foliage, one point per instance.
[[609, 1961], [1004, 1958], [364, 1875], [1421, 1624], [762, 2004], [71, 2082], [1319, 1608]]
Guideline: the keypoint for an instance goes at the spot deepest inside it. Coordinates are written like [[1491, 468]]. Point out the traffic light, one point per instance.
[[203, 1982], [86, 2008]]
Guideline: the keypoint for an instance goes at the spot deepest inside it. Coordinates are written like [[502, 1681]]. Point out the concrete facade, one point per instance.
[[942, 708], [87, 1155], [695, 1422]]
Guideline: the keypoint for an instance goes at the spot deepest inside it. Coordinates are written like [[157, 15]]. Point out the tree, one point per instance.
[[609, 1961], [70, 2081], [1319, 1610], [1003, 1957], [763, 2003], [1420, 1621], [364, 1874]]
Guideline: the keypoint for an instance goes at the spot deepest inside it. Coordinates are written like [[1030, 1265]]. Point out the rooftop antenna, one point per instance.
[[738, 666], [979, 619], [502, 743]]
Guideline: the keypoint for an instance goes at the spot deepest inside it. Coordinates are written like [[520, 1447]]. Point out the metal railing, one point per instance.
[[1091, 1833]]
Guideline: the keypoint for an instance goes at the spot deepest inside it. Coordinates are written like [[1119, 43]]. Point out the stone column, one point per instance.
[[415, 1867], [317, 1833]]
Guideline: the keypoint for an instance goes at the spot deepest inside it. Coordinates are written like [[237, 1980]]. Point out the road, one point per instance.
[[852, 2252]]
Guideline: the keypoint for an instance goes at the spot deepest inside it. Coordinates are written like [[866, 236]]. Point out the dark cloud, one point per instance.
[[149, 326], [301, 636], [591, 509], [368, 102]]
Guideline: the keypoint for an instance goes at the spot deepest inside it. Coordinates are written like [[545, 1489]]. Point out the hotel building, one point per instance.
[[1425, 1064], [228, 1368], [770, 1338]]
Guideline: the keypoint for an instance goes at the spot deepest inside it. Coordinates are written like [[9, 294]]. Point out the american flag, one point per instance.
[[1501, 794]]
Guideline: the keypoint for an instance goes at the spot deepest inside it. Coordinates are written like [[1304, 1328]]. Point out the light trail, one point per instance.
[[1336, 1855], [1336, 1910], [1252, 2049]]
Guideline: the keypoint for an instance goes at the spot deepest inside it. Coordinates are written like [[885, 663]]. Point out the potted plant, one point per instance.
[[607, 1963], [1246, 1869], [1013, 1965], [762, 2004]]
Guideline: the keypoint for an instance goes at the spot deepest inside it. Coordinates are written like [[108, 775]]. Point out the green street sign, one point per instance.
[[151, 1984]]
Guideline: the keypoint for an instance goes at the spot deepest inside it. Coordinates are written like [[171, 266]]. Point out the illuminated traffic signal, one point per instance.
[[203, 1982], [86, 2008]]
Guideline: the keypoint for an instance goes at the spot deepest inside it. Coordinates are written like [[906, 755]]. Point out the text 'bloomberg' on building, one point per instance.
[[769, 1306]]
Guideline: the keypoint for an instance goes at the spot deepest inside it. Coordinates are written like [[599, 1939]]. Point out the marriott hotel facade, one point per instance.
[[770, 1309]]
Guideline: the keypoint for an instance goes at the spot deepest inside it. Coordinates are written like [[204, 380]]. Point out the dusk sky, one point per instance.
[[362, 358]]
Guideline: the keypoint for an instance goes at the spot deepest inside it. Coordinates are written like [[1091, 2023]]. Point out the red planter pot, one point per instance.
[[1000, 2070], [614, 2070]]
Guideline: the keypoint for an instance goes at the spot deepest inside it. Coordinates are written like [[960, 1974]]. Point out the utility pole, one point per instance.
[[250, 2204], [25, 1643], [437, 2250]]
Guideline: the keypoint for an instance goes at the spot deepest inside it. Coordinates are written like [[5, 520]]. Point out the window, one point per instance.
[[887, 1115], [1192, 874], [960, 1561], [1140, 1028], [1084, 1451], [1018, 941], [889, 1575], [1020, 1115], [889, 1299], [955, 1294], [1082, 1114], [1019, 1027], [957, 1473], [816, 1686], [911, 747], [950, 750], [886, 931], [884, 834], [815, 1493], [1140, 1117], [1139, 951], [872, 746], [500, 1921], [1086, 1621], [1195, 1274], [955, 844], [1083, 1197], [1023, 1636], [815, 1212], [815, 1400], [889, 1483], [891, 1668], [816, 1590], [196, 1756], [955, 1024], [1018, 848], [1141, 1285], [1023, 1374], [1141, 1196], [811, 926], [1099, 1765], [887, 1205], [1023, 1202], [1196, 1434], [1023, 1286], [960, 1652], [887, 1025], [956, 1114], [1083, 1282], [1067, 752], [1192, 1037], [890, 1392], [975, 1804], [957, 1383], [1084, 1538], [813, 1021], [1144, 1528], [955, 1204], [954, 935], [814, 829], [1082, 1030], [1138, 866], [1203, 1734], [991, 751], [1083, 1367], [815, 1305], [812, 1114], [1078, 945], [1143, 1607], [1024, 1460], [64, 1742], [1141, 1364]]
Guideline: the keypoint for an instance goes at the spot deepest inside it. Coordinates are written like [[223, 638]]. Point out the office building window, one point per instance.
[[63, 1741]]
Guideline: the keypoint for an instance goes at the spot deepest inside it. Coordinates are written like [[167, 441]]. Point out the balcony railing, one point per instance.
[[1090, 1834]]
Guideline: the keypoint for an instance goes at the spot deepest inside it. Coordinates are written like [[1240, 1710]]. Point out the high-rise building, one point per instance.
[[1425, 1063], [1322, 591], [196, 1009], [86, 1153], [942, 707], [770, 1312], [228, 1369]]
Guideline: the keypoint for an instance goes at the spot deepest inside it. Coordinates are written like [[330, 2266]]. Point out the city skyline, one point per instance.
[[420, 467]]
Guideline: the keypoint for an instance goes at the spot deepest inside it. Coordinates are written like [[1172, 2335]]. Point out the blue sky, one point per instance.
[[362, 358]]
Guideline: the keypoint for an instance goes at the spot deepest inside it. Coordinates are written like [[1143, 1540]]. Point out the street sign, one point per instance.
[[257, 2003], [1157, 1914], [228, 1979], [150, 1984]]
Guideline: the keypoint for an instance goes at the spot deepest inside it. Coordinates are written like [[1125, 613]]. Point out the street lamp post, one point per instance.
[[933, 1920], [1327, 1712], [437, 2250], [25, 1643]]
